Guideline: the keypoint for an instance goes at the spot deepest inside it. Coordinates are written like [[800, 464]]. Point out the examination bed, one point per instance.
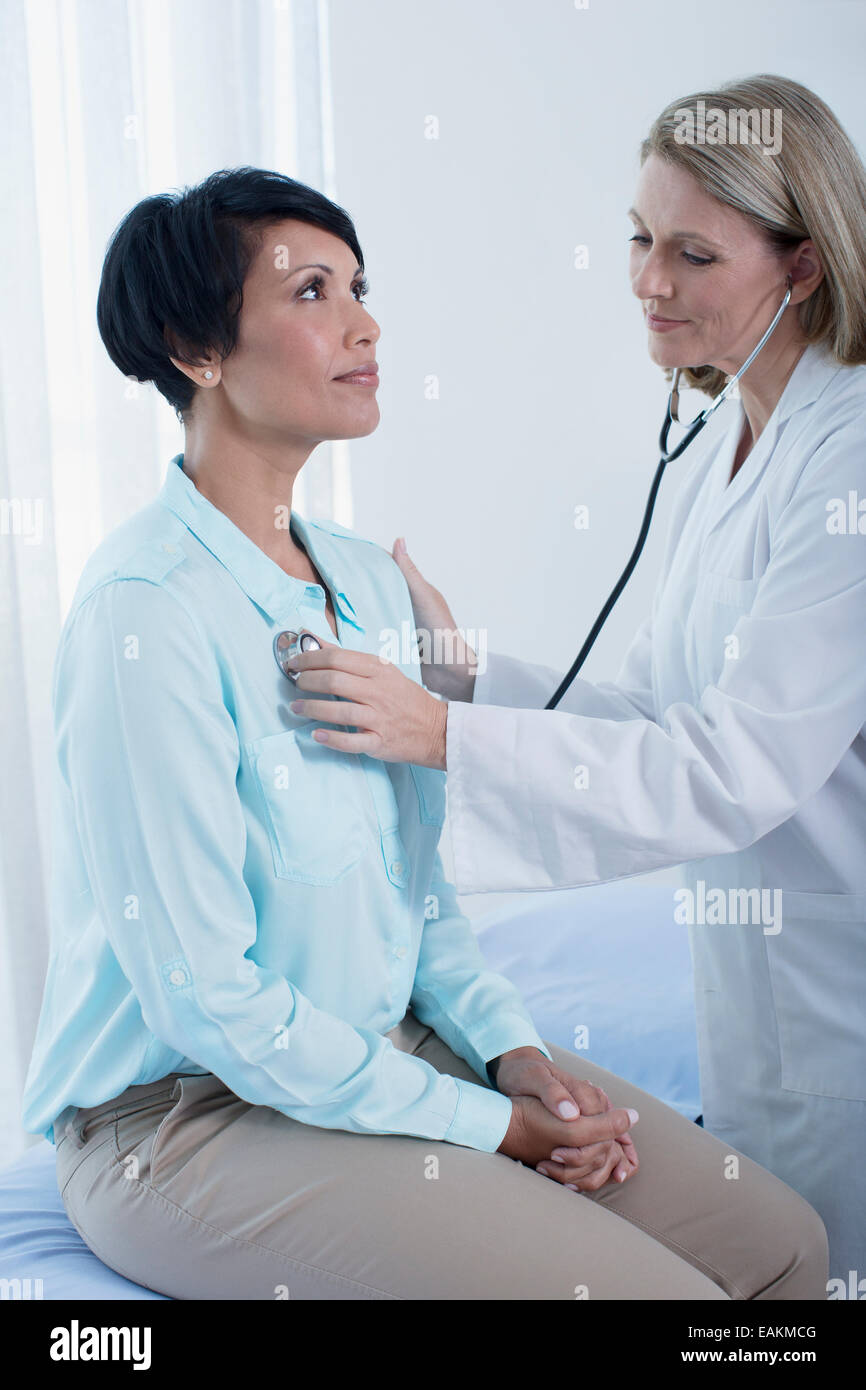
[[609, 959]]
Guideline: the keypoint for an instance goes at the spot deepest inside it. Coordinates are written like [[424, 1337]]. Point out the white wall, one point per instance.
[[547, 395]]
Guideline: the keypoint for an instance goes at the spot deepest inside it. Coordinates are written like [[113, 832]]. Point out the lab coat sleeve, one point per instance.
[[150, 754], [506, 680], [476, 1011], [543, 800]]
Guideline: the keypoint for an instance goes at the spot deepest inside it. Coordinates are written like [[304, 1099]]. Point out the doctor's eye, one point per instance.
[[692, 259]]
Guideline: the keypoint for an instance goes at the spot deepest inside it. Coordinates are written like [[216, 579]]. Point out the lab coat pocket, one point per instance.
[[817, 967], [316, 805], [721, 601]]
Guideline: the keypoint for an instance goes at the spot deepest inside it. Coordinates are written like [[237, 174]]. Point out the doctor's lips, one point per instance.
[[662, 325], [367, 374]]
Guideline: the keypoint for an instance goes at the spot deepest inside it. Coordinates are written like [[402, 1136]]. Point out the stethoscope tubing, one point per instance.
[[667, 456]]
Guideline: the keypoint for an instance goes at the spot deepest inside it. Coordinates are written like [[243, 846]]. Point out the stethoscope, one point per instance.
[[287, 644], [667, 456]]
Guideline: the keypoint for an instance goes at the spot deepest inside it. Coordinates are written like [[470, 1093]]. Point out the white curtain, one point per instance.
[[102, 103]]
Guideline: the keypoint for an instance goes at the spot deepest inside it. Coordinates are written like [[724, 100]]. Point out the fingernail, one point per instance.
[[539, 1168], [571, 1187], [633, 1116], [296, 705], [552, 1159], [621, 1175], [568, 1110], [322, 736]]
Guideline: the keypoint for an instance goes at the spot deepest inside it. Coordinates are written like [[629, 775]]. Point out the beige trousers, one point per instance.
[[181, 1186]]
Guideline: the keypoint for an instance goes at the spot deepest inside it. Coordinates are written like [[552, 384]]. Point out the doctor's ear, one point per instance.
[[806, 271]]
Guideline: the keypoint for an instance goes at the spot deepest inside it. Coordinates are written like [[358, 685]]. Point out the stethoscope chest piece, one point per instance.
[[287, 644]]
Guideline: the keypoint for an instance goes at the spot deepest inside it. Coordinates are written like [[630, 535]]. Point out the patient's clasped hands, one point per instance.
[[592, 1147]]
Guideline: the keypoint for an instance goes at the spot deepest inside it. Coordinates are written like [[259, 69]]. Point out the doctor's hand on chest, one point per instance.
[[398, 721]]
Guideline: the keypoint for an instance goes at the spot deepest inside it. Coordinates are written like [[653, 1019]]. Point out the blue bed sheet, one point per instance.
[[609, 959]]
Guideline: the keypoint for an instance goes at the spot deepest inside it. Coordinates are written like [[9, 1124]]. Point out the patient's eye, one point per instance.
[[359, 288], [317, 283]]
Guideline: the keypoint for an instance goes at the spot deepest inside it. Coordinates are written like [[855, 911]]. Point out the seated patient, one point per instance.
[[266, 1026]]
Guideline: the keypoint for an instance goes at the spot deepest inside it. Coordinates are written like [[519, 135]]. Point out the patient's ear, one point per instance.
[[210, 362]]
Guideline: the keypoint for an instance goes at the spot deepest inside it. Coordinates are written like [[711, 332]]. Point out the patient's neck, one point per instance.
[[254, 490]]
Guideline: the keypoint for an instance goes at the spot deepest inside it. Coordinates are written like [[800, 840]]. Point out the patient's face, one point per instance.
[[298, 330], [698, 262]]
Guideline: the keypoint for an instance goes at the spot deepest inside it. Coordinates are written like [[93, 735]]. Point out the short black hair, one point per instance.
[[176, 265]]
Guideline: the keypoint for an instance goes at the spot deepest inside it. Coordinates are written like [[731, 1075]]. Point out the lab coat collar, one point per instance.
[[811, 376], [278, 594], [809, 379]]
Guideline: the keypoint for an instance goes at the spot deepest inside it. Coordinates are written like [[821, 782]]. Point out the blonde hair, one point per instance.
[[814, 188]]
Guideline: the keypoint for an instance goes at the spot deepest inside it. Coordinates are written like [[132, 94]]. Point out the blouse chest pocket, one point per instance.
[[399, 854], [720, 602], [316, 807]]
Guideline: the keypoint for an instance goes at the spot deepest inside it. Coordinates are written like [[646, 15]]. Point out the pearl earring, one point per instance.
[[208, 376]]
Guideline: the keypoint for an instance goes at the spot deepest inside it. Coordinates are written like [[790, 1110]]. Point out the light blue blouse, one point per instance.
[[228, 895]]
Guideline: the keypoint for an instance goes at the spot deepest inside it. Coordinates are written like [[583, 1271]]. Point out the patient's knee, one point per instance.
[[799, 1240]]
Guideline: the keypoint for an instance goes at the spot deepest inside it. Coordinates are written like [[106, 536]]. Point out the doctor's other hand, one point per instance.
[[455, 677], [594, 1141]]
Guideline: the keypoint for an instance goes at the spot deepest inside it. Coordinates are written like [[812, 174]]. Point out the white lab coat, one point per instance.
[[731, 742]]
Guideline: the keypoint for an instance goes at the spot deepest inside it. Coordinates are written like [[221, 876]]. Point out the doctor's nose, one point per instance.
[[652, 281]]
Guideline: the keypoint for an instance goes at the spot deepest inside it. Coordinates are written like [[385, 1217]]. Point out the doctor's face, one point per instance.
[[707, 280]]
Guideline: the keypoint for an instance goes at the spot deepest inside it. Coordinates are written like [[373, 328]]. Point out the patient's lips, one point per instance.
[[365, 374]]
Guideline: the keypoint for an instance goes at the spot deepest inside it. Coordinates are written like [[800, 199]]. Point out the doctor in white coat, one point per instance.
[[732, 740]]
